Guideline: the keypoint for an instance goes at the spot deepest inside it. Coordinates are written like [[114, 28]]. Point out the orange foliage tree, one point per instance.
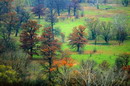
[[67, 62], [49, 48], [77, 38], [28, 37]]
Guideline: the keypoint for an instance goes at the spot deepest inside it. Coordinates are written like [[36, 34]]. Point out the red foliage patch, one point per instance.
[[126, 68]]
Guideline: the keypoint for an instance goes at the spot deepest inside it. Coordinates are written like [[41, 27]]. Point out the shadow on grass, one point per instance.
[[101, 43]]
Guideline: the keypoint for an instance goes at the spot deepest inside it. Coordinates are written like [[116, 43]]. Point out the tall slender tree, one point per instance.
[[51, 14], [49, 48]]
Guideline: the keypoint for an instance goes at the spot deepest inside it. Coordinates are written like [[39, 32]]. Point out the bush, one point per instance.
[[122, 60], [8, 75], [17, 60], [9, 45]]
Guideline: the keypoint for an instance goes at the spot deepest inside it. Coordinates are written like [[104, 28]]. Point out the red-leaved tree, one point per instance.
[[49, 48], [77, 38], [39, 10], [28, 37]]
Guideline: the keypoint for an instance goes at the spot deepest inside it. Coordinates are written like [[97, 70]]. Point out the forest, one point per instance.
[[64, 42]]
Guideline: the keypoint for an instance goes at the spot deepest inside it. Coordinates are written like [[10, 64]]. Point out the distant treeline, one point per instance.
[[34, 2]]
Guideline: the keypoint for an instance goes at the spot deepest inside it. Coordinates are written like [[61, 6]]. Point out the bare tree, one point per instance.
[[92, 24], [111, 78], [75, 5], [120, 23], [87, 73], [105, 31]]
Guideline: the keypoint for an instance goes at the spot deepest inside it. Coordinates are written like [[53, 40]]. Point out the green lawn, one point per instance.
[[104, 52]]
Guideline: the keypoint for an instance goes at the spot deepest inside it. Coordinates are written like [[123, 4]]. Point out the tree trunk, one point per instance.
[[39, 16], [16, 33], [31, 48], [95, 41], [9, 31], [52, 22], [74, 11], [31, 52], [50, 66], [97, 5], [58, 11], [63, 39], [106, 40], [125, 3], [78, 48], [69, 11]]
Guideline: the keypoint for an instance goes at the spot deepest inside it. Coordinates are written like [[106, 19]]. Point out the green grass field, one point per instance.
[[103, 52]]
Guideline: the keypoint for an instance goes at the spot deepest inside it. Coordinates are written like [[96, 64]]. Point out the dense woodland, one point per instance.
[[64, 42]]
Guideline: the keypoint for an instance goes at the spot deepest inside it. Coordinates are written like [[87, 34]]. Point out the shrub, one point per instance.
[[8, 75]]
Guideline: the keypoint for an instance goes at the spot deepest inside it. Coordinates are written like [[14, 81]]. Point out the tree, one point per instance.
[[92, 24], [120, 25], [23, 16], [8, 17], [10, 21], [5, 6], [75, 5], [38, 2], [125, 3], [38, 10], [8, 24], [110, 77], [28, 37], [51, 14], [86, 74], [105, 1], [97, 4], [49, 48], [7, 45], [105, 31], [77, 38], [59, 4], [69, 6]]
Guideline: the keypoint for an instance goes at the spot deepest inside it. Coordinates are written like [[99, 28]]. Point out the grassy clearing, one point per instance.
[[67, 25], [104, 52]]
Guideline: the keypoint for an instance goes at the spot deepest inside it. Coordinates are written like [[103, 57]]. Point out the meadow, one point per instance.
[[104, 52]]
